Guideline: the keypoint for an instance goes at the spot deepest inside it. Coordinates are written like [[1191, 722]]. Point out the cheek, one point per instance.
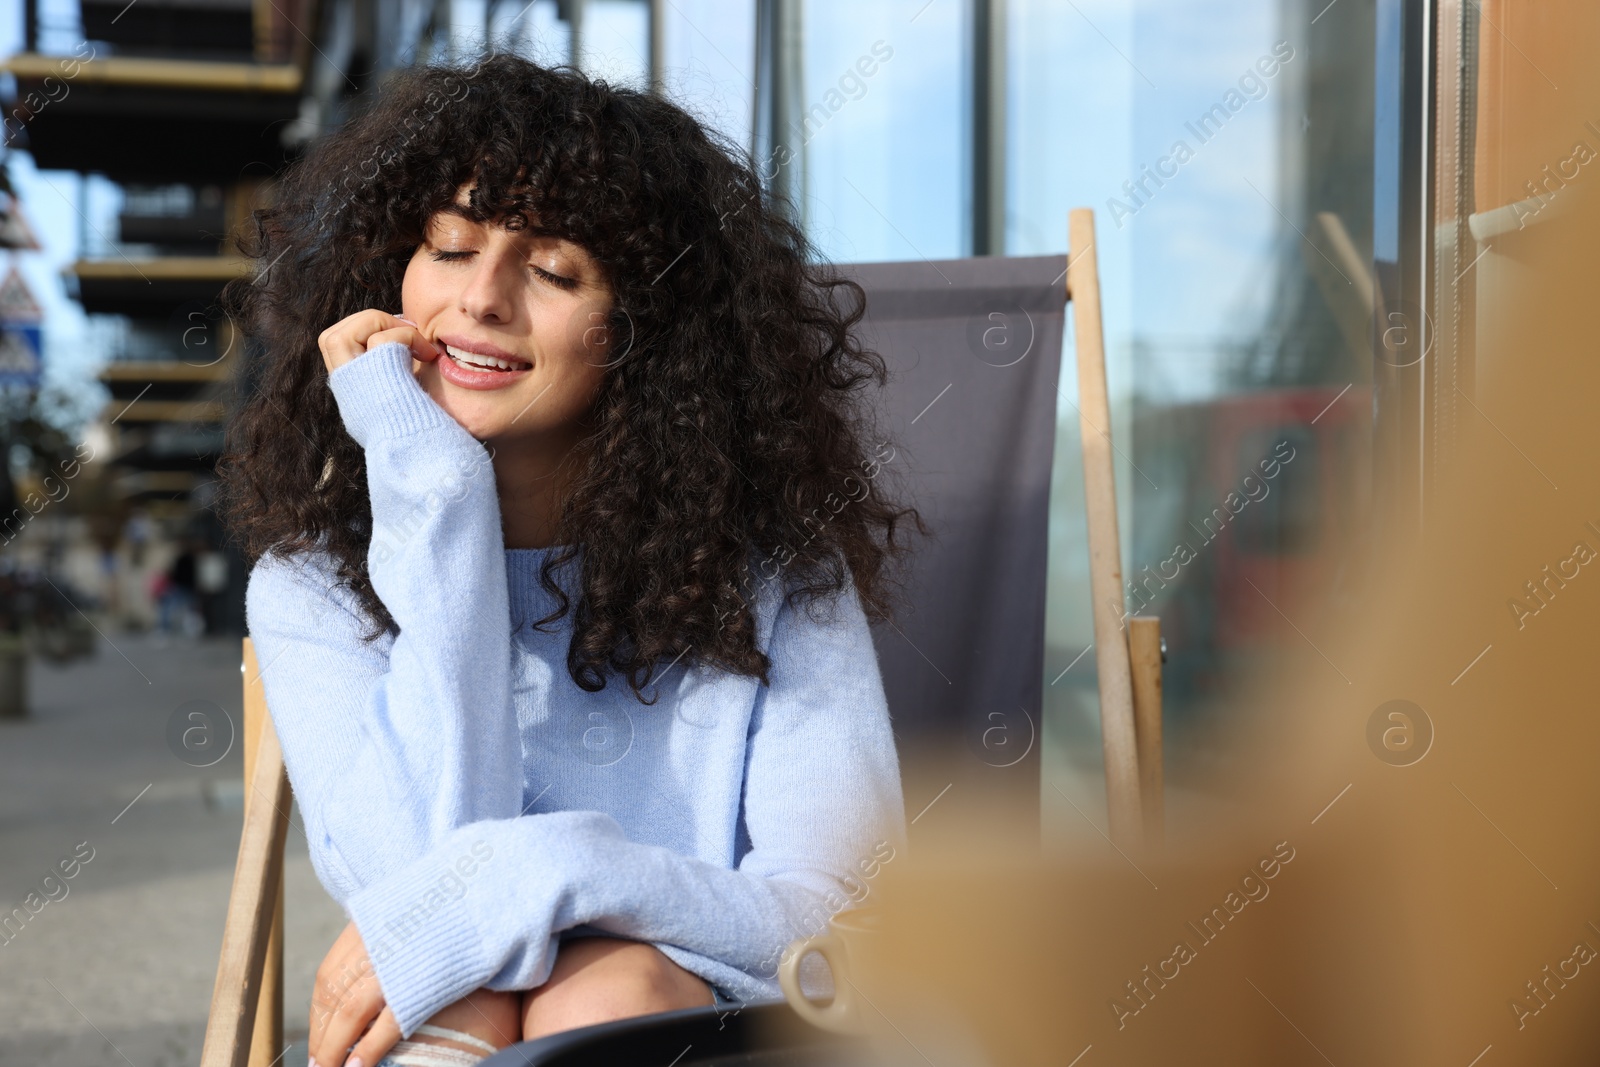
[[422, 291], [594, 336], [574, 398], [575, 336], [578, 378]]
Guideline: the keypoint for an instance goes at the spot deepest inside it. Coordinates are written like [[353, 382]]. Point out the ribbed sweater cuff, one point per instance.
[[425, 949], [379, 398]]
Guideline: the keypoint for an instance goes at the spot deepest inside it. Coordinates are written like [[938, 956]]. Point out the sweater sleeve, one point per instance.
[[362, 729], [823, 811]]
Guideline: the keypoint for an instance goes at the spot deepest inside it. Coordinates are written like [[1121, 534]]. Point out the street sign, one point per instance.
[[15, 233], [21, 349], [17, 304]]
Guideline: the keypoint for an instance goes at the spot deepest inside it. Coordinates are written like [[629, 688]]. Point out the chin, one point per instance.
[[483, 429], [480, 424]]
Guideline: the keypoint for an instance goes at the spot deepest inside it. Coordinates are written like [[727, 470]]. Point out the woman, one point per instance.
[[565, 530]]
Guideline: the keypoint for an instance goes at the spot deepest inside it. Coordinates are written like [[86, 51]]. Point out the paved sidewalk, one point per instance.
[[119, 971]]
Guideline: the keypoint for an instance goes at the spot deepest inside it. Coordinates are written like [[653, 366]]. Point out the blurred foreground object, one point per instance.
[[990, 953]]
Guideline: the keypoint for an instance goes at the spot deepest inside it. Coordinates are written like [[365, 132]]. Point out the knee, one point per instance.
[[655, 983], [601, 979]]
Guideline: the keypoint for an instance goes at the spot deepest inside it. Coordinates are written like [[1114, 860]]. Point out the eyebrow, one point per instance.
[[462, 211]]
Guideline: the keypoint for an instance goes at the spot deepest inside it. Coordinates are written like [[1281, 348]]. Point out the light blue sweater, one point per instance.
[[466, 802]]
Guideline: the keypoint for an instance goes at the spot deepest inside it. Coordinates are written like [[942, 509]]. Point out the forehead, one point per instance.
[[458, 217], [459, 211], [461, 200], [459, 208]]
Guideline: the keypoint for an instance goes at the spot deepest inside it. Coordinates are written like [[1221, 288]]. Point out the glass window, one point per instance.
[[533, 31], [1279, 517], [1226, 149], [709, 62], [1249, 210], [616, 41], [1049, 68], [881, 124]]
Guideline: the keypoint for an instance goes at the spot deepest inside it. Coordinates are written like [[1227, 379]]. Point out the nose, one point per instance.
[[488, 294]]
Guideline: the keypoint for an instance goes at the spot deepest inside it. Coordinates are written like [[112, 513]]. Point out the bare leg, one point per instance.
[[485, 1014], [598, 979]]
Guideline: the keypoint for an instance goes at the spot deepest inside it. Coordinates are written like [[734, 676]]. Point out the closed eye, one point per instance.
[[442, 255], [557, 280]]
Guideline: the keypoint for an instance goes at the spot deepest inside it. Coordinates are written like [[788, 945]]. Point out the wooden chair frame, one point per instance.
[[245, 1027], [1129, 667]]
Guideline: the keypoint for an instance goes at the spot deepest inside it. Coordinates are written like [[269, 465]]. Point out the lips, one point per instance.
[[484, 362], [478, 365]]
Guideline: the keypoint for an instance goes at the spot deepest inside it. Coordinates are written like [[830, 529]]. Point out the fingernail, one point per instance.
[[354, 1061]]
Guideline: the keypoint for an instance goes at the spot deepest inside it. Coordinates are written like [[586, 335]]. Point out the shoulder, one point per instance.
[[786, 608]]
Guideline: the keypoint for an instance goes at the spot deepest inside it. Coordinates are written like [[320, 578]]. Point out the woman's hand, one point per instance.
[[366, 330], [347, 1004]]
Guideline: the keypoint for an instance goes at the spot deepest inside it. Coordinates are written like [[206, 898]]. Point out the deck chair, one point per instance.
[[963, 670], [973, 349]]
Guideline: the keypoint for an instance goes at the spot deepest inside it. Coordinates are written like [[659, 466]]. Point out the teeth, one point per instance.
[[481, 361]]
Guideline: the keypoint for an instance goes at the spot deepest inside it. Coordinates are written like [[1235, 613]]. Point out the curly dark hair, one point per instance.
[[729, 425]]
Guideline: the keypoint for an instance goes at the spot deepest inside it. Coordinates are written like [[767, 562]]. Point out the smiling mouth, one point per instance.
[[484, 364]]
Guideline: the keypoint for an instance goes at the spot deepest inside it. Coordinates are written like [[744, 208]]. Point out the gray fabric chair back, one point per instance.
[[973, 348]]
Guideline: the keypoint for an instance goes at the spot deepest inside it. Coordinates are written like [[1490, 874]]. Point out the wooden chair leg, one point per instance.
[[1144, 652], [266, 1043], [246, 1001]]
